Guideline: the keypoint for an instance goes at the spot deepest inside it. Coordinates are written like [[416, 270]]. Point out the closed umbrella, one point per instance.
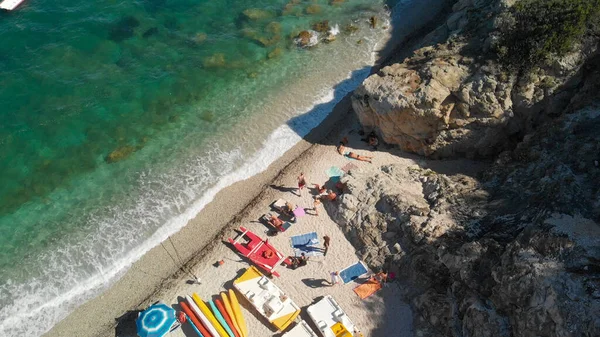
[[156, 321]]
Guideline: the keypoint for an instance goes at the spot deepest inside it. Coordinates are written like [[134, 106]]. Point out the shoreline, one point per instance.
[[158, 271]]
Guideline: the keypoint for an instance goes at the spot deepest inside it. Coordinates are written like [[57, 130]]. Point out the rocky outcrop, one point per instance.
[[515, 252], [453, 98]]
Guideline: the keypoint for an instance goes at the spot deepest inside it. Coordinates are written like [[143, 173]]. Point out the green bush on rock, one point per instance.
[[544, 28]]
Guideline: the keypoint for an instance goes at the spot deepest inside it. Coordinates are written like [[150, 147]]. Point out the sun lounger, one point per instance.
[[306, 243], [353, 272]]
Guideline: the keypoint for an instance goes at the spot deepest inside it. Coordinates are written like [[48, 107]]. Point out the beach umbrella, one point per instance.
[[298, 212], [156, 321]]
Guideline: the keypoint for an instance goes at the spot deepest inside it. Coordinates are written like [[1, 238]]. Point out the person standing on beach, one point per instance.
[[301, 182], [316, 204], [335, 278], [326, 241]]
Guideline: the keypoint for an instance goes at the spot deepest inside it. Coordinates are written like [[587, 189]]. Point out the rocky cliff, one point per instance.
[[515, 252], [454, 97]]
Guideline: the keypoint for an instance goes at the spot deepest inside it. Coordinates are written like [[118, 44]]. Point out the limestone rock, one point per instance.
[[440, 102]]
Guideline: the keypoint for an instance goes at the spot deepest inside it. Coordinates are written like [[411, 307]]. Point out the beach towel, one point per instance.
[[306, 243], [334, 171], [353, 272], [367, 289], [285, 226], [299, 212], [350, 166]]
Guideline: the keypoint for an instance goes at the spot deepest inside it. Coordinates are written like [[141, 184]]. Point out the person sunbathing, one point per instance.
[[320, 189], [359, 157], [342, 146], [275, 222], [331, 196]]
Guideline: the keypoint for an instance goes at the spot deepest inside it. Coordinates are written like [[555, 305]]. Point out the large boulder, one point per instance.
[[455, 99]]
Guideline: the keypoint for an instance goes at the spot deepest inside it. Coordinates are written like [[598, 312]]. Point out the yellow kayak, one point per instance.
[[237, 310], [206, 311], [231, 314]]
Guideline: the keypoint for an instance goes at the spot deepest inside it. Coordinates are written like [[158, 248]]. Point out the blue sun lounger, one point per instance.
[[306, 243], [353, 272]]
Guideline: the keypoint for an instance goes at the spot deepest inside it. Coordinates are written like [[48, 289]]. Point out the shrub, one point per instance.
[[542, 28]]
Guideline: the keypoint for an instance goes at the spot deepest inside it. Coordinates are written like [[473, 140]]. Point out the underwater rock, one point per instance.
[[207, 116], [200, 37], [275, 53], [307, 38], [336, 2], [150, 32], [120, 153], [260, 39], [313, 9], [321, 27], [350, 28], [214, 61], [273, 28], [123, 29], [256, 14]]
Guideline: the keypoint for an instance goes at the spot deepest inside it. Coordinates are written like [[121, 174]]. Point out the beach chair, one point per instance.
[[353, 272]]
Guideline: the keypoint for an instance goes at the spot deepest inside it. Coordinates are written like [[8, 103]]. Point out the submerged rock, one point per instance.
[[150, 32], [313, 9], [321, 27], [307, 38], [120, 153], [214, 61], [200, 37], [255, 14], [123, 29], [275, 53]]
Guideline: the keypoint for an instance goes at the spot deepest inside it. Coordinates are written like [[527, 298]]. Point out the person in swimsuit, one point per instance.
[[342, 146], [275, 221], [326, 242], [359, 157], [320, 189], [301, 182]]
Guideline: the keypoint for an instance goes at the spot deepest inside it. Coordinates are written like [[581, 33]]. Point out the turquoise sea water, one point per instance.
[[120, 120]]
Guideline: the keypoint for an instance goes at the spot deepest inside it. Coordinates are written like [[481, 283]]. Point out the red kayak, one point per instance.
[[259, 251]]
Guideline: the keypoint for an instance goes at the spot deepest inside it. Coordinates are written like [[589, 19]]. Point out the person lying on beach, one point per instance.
[[320, 189], [330, 196], [342, 146], [299, 261], [275, 221], [359, 157]]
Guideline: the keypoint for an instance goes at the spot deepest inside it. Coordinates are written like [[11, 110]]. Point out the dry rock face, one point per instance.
[[515, 252], [450, 99]]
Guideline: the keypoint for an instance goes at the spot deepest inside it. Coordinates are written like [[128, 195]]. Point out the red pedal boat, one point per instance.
[[259, 251]]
